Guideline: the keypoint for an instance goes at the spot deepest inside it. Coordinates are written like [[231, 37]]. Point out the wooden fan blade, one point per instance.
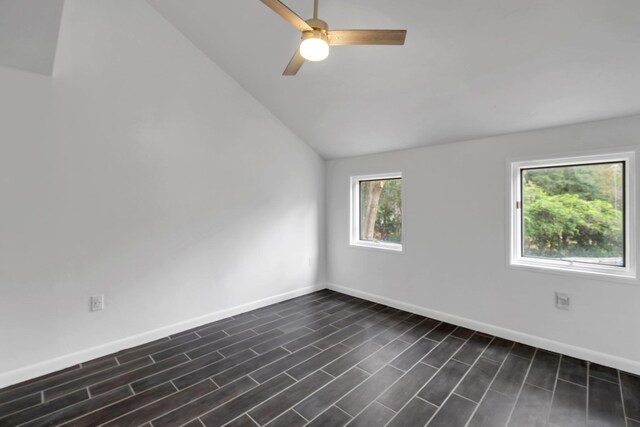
[[366, 37], [289, 15], [294, 65]]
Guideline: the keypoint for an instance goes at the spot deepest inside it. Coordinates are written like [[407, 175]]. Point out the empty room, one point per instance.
[[319, 213]]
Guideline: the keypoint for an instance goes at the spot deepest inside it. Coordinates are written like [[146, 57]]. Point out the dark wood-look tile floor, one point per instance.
[[328, 359]]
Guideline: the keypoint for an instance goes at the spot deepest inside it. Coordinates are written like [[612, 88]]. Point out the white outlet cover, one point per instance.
[[563, 301], [97, 302]]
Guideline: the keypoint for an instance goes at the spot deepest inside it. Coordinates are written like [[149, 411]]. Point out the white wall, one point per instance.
[[454, 264], [141, 171]]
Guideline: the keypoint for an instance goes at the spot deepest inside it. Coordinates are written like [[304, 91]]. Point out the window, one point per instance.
[[376, 211], [574, 214]]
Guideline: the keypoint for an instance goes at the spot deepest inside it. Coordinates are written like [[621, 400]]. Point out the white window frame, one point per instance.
[[571, 267], [355, 213]]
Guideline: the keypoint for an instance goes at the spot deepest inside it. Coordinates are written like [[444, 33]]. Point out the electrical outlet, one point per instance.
[[97, 302], [563, 301]]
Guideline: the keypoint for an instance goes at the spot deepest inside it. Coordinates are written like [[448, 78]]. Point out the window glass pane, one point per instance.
[[574, 213], [381, 210]]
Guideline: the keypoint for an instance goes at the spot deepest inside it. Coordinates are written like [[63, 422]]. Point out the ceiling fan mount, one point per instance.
[[318, 24], [316, 36]]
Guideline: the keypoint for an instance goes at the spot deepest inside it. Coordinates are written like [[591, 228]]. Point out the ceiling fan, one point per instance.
[[316, 37]]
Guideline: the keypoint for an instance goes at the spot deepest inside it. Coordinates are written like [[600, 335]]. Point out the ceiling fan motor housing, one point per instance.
[[318, 24]]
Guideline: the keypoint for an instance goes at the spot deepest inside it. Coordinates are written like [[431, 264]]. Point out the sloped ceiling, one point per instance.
[[469, 68], [29, 34]]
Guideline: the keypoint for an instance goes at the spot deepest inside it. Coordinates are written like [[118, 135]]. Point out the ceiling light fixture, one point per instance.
[[315, 45]]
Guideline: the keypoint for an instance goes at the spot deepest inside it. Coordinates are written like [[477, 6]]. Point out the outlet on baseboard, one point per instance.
[[97, 302], [563, 301]]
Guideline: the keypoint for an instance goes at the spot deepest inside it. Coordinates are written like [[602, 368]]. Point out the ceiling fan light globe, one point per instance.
[[314, 49]]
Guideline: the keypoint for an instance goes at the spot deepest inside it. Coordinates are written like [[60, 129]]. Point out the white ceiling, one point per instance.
[[469, 68], [29, 34]]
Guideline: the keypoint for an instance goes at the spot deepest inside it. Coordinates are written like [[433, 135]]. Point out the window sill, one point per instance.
[[624, 276], [385, 247]]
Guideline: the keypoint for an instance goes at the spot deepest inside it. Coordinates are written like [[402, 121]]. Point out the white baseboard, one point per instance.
[[53, 365], [621, 363]]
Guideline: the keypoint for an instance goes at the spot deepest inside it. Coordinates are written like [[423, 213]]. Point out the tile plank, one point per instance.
[[393, 333], [374, 415], [334, 417], [251, 342], [132, 376], [249, 366], [475, 383], [543, 370], [413, 354], [498, 350], [442, 384], [420, 330], [441, 331], [304, 341], [20, 404], [407, 386], [523, 350], [383, 356], [280, 340], [350, 359], [603, 372], [243, 421], [569, 406], [532, 407], [206, 403], [246, 402], [175, 372], [454, 412], [212, 369], [203, 350], [511, 375], [147, 350], [163, 406], [573, 370], [324, 398], [44, 409], [278, 404], [494, 410], [605, 404], [631, 394], [360, 397], [416, 413], [439, 356], [108, 413], [188, 346], [288, 419], [279, 322], [74, 411], [337, 337], [472, 349], [83, 382], [281, 365], [318, 361]]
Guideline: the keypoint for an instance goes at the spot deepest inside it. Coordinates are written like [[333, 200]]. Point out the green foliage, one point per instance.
[[590, 182], [388, 226], [573, 212]]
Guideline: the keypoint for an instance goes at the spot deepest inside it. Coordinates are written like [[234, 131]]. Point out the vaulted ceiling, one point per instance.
[[469, 68]]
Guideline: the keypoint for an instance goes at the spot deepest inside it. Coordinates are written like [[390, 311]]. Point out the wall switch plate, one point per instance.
[[97, 302], [563, 301]]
